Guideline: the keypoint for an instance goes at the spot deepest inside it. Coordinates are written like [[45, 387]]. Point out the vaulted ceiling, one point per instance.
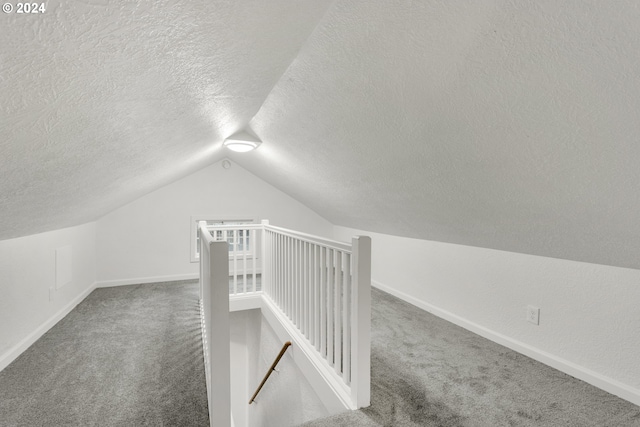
[[104, 101], [500, 124]]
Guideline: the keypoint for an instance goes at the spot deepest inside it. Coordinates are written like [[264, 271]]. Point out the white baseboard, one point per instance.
[[605, 383], [15, 351], [140, 280]]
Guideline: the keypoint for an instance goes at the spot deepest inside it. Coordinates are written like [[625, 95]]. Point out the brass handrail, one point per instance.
[[271, 369]]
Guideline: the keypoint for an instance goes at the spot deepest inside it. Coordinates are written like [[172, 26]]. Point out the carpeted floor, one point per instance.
[[132, 356], [429, 372], [125, 356]]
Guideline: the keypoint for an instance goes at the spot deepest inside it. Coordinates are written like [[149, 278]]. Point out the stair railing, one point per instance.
[[320, 286], [271, 369]]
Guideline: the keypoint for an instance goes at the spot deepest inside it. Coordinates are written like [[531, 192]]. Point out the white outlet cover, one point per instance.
[[533, 314]]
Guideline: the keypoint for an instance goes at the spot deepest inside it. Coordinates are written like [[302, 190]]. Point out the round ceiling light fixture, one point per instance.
[[242, 142]]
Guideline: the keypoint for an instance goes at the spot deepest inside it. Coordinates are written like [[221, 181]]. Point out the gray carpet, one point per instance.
[[132, 356], [429, 372], [125, 356]]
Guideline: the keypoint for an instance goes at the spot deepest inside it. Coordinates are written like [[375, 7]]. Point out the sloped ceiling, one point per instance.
[[512, 125], [500, 124], [103, 101]]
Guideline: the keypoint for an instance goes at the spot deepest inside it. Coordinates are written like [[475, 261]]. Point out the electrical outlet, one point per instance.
[[533, 315]]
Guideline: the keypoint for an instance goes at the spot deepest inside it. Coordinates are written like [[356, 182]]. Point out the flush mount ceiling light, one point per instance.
[[242, 142]]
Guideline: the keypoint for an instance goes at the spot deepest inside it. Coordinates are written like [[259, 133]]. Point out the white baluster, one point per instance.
[[346, 319], [235, 260], [296, 282], [313, 300], [338, 312], [243, 237], [317, 285], [308, 305], [330, 307], [323, 302]]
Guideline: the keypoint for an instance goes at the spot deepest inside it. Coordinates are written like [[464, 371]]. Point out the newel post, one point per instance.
[[219, 347], [361, 322]]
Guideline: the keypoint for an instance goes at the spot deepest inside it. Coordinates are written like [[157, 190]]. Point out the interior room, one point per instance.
[[489, 149]]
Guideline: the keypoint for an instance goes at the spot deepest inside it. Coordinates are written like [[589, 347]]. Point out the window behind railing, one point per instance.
[[244, 254], [241, 243]]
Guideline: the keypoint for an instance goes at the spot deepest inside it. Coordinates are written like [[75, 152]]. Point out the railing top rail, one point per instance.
[[235, 227], [334, 244], [205, 232]]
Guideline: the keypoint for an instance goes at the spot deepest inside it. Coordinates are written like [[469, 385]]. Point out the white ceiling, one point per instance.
[[103, 101], [501, 124]]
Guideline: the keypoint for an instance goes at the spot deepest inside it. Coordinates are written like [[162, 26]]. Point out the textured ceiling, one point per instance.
[[103, 101], [503, 124], [509, 125]]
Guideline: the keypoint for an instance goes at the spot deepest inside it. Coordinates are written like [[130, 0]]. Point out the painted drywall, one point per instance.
[[28, 275], [243, 347], [103, 101], [589, 317], [510, 125], [149, 239], [287, 398]]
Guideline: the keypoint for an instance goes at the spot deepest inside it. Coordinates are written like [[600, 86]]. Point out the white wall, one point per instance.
[[149, 239], [589, 314], [245, 346], [28, 271], [287, 398]]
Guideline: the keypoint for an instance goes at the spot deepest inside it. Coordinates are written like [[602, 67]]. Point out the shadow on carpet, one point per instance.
[[426, 371], [125, 356]]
